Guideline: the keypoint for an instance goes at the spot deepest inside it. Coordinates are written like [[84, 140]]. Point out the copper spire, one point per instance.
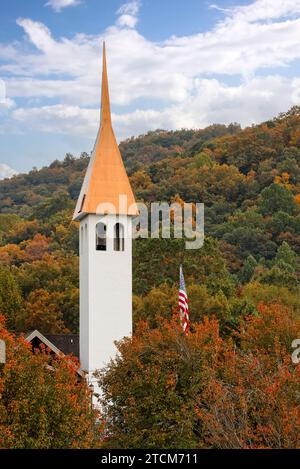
[[106, 178], [105, 103]]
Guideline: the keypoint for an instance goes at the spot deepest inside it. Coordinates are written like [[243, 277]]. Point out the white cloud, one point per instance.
[[58, 5], [38, 34], [6, 171], [5, 103], [129, 14], [58, 119], [2, 91], [260, 10], [188, 78], [213, 102]]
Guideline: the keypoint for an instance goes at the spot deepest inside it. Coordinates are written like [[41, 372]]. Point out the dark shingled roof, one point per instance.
[[66, 343], [56, 344]]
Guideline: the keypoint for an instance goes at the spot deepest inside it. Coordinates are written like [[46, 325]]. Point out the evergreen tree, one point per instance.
[[286, 258], [248, 269]]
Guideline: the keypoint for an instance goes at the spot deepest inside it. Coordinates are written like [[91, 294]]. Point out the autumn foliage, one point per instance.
[[251, 399], [42, 402], [231, 382], [206, 391]]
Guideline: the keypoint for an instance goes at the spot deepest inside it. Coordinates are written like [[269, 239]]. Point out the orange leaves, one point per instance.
[[223, 392], [42, 406], [284, 180], [36, 248], [11, 254], [251, 397], [26, 251], [43, 312], [141, 181], [152, 386], [274, 326]]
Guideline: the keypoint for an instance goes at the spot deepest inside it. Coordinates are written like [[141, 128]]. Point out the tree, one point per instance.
[[203, 391], [160, 302], [256, 293], [10, 297], [204, 266], [149, 390], [36, 247], [246, 230], [11, 254], [250, 399], [286, 258], [42, 312], [42, 403], [282, 277], [248, 269], [248, 403], [59, 201], [276, 197]]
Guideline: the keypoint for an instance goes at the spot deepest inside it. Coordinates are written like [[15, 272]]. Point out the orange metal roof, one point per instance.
[[106, 178]]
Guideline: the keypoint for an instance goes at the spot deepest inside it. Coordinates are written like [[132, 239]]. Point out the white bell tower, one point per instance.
[[105, 209]]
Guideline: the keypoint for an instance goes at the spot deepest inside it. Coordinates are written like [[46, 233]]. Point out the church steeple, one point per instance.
[[106, 178], [105, 247]]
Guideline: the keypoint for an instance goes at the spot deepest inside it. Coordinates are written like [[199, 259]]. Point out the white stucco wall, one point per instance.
[[105, 292]]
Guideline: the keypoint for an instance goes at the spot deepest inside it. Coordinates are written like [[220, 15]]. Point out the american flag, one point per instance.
[[183, 304]]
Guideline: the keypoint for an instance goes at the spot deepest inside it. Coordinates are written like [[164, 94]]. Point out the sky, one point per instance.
[[172, 64]]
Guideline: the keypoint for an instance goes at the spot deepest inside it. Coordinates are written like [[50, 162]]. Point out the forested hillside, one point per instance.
[[249, 181], [229, 383]]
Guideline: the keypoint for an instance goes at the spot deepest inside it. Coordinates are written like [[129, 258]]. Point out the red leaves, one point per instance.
[[251, 397], [44, 406], [240, 392]]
